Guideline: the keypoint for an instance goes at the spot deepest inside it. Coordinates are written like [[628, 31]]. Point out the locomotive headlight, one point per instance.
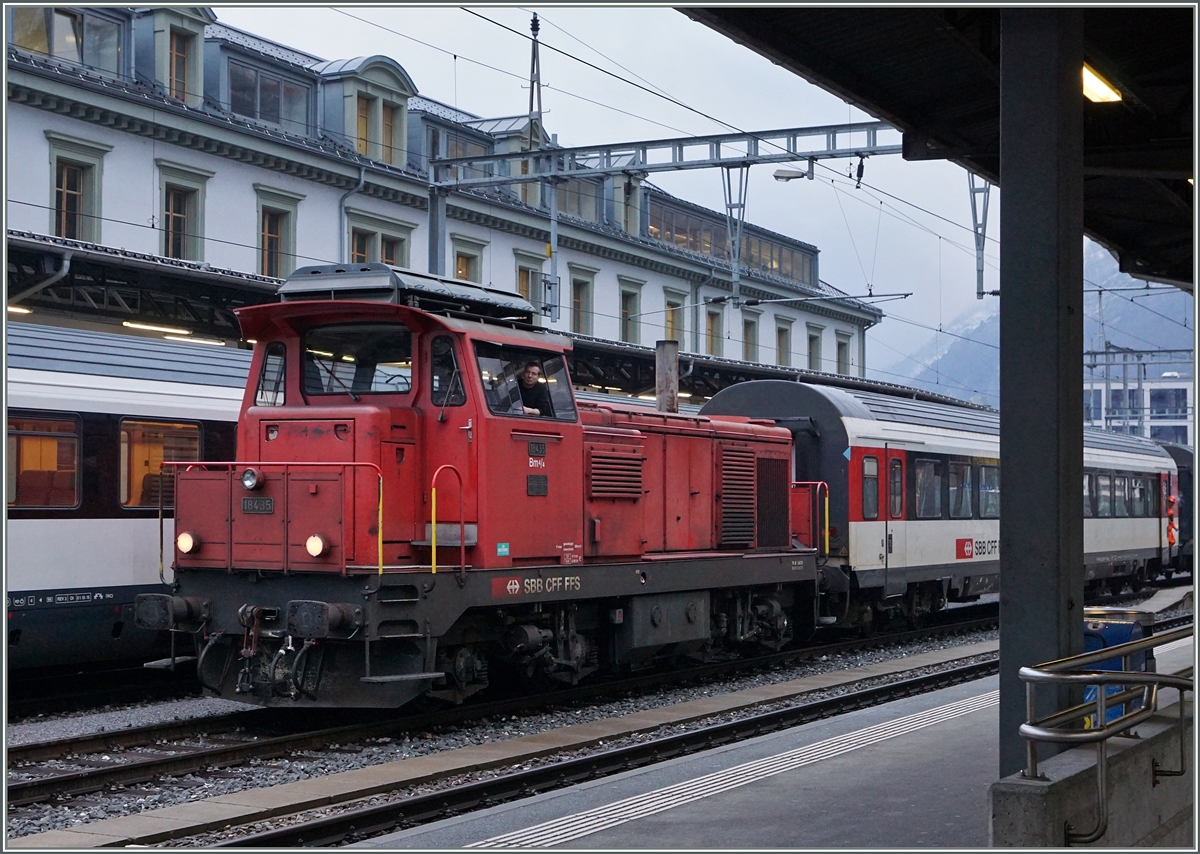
[[187, 542], [316, 545], [252, 478]]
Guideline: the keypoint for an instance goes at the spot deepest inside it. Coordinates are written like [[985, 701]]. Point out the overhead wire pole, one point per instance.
[[979, 226], [551, 292], [735, 218]]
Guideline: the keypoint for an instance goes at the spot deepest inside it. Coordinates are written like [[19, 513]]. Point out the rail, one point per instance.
[[1071, 725], [207, 464]]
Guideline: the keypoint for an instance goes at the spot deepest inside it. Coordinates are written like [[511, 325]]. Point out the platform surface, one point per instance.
[[910, 774]]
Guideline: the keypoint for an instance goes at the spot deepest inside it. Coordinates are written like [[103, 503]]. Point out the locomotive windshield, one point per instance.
[[504, 370], [358, 358]]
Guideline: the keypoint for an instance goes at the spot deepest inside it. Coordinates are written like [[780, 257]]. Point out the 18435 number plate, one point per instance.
[[258, 505]]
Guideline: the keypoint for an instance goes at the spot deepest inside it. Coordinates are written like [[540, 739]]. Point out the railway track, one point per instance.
[[90, 763], [357, 823], [69, 691], [95, 762]]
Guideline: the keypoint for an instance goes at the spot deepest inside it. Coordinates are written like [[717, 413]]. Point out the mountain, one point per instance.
[[1151, 320]]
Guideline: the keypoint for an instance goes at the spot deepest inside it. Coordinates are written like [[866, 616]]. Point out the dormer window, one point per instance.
[[267, 97], [377, 122], [84, 38], [366, 104], [181, 48]]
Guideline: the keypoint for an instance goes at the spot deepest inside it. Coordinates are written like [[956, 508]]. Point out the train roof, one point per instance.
[[382, 283], [81, 351], [785, 400]]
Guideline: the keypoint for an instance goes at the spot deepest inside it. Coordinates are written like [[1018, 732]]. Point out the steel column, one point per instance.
[[437, 230], [1041, 352]]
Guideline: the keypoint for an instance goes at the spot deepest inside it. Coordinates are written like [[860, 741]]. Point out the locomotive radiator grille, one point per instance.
[[614, 475], [772, 502], [737, 497]]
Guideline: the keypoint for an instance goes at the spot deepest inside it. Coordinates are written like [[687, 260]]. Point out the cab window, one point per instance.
[[270, 391], [358, 358], [525, 382], [445, 381]]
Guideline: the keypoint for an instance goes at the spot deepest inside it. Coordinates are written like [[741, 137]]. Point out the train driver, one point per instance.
[[535, 396]]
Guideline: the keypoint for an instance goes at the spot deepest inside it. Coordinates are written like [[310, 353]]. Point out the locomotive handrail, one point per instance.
[[204, 464], [817, 486], [1062, 727], [462, 523]]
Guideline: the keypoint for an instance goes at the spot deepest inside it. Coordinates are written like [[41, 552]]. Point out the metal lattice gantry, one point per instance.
[[731, 151], [858, 139]]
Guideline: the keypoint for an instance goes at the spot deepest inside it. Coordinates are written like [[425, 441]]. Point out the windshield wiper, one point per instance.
[[333, 375]]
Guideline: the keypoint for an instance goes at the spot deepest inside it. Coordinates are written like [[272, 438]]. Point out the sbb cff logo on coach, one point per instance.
[[967, 548]]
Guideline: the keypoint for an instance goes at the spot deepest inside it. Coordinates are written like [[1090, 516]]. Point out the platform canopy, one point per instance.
[[935, 75]]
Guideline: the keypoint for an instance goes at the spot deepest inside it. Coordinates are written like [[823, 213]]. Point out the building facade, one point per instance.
[[1160, 408], [163, 132]]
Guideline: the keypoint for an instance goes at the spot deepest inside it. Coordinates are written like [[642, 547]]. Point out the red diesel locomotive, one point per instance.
[[396, 524]]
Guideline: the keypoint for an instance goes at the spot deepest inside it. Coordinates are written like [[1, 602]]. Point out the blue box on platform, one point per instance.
[[1107, 627]]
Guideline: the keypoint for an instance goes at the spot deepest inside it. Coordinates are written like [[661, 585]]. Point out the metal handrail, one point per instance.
[[815, 487], [462, 524], [1054, 727]]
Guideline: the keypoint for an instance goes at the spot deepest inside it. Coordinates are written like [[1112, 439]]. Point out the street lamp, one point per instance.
[[793, 174]]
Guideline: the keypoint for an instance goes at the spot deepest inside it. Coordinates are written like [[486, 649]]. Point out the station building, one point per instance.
[[177, 168]]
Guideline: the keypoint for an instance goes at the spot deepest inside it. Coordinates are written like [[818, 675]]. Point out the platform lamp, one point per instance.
[[793, 174]]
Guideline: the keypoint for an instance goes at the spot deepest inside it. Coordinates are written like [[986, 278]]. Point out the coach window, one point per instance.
[[1120, 497], [870, 488], [1103, 495], [1152, 490], [929, 489], [42, 468], [960, 490], [446, 385], [989, 492], [896, 489], [145, 446], [270, 391], [1137, 497], [1088, 491], [359, 358], [500, 369]]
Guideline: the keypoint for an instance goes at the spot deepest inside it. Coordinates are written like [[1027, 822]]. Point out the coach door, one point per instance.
[[895, 561]]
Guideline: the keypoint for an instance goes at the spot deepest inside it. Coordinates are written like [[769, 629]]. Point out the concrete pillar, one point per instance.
[[666, 375], [1041, 352]]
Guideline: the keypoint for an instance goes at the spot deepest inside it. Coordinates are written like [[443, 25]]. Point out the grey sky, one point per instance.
[[894, 246]]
